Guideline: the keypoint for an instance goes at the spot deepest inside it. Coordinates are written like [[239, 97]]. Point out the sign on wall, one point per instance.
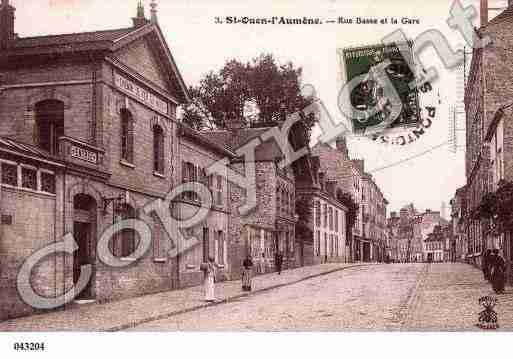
[[141, 94], [83, 154]]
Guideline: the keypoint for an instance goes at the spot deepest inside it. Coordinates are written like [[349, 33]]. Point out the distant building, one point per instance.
[[351, 178], [458, 212]]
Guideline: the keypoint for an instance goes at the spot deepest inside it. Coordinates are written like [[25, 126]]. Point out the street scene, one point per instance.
[[152, 180], [328, 297]]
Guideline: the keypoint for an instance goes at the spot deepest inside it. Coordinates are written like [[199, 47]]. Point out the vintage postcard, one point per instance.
[[284, 166]]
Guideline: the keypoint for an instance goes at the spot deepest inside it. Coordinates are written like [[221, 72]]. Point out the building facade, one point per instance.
[[326, 222], [348, 175], [374, 206], [89, 137]]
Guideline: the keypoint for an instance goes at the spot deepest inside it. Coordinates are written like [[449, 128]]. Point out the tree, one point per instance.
[[221, 97], [495, 207]]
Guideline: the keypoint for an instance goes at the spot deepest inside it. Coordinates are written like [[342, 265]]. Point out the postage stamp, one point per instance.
[[369, 93]]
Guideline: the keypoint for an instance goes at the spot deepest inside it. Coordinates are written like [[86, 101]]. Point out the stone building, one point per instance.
[[270, 226], [488, 102], [435, 244], [88, 138]]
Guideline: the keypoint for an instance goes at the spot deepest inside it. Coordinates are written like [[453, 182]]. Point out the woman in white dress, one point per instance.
[[209, 270]]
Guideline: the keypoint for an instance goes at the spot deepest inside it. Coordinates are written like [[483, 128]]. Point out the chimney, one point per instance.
[[484, 12], [341, 144], [140, 20], [154, 19], [6, 24]]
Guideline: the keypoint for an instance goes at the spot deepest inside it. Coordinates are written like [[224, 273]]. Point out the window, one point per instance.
[[205, 244], [29, 178], [158, 149], [219, 192], [318, 243], [325, 213], [126, 238], [220, 247], [47, 182], [330, 213], [127, 136], [9, 174], [284, 202], [336, 220], [49, 124], [278, 201], [317, 213]]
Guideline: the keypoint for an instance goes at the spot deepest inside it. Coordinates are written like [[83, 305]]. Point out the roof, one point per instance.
[[107, 41], [204, 139], [19, 148], [506, 15], [266, 151], [66, 39]]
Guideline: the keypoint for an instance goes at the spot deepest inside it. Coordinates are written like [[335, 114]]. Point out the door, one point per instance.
[[82, 256]]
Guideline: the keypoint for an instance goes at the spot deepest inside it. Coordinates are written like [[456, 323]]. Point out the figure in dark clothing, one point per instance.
[[485, 265], [247, 266], [278, 262], [498, 272]]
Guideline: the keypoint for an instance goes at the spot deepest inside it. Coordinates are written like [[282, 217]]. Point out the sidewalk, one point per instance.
[[447, 298], [128, 313]]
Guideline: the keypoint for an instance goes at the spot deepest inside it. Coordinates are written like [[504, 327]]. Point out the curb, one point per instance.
[[136, 323]]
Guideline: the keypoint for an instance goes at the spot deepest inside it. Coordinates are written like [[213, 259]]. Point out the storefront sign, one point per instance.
[[141, 94]]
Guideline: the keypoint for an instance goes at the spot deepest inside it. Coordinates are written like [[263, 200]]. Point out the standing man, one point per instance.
[[278, 261]]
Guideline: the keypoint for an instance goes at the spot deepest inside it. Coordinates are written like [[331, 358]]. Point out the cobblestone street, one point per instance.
[[387, 297]]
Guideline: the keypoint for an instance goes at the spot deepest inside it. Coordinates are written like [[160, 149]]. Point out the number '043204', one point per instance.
[[24, 346]]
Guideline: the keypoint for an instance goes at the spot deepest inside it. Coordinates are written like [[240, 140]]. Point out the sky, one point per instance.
[[426, 172]]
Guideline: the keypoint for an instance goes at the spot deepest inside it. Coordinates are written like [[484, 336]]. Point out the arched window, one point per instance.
[[50, 124], [126, 238], [158, 149], [127, 136]]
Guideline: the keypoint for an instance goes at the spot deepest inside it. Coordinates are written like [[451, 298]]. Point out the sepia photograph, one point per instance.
[[219, 171]]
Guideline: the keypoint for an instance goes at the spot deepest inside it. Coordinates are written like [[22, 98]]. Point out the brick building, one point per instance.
[[197, 152], [88, 137], [488, 99]]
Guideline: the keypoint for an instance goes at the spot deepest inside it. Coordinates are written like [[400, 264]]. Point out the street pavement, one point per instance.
[[127, 313], [392, 297], [328, 297]]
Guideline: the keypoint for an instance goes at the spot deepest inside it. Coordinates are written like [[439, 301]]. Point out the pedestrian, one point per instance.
[[247, 268], [262, 264], [209, 271], [278, 261], [485, 265], [498, 272]]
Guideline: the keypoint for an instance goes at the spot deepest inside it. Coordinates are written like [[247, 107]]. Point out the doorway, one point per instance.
[[84, 232]]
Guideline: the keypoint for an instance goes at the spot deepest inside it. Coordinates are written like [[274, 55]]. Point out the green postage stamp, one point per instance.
[[369, 94]]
